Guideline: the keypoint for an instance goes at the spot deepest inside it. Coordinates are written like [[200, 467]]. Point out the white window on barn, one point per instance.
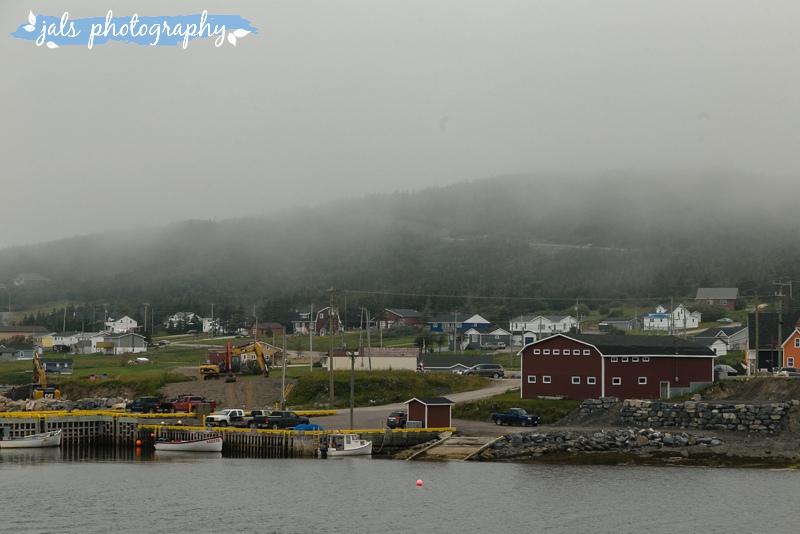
[[624, 360], [545, 380], [614, 359], [586, 352], [790, 362], [576, 380], [645, 359], [616, 381], [546, 351], [537, 351], [531, 379], [797, 342], [591, 380], [555, 352], [642, 380], [634, 359]]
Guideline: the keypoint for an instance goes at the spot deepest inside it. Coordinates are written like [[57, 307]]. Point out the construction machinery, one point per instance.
[[39, 389], [257, 351], [233, 360], [220, 363]]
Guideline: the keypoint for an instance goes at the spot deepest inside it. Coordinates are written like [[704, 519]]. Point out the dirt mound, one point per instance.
[[770, 389], [248, 393]]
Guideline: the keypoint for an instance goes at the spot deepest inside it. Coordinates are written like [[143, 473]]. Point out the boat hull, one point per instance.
[[364, 450], [195, 445], [35, 441], [347, 445]]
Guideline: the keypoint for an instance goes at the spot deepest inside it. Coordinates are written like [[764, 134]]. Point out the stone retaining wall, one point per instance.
[[694, 414], [700, 415], [629, 440]]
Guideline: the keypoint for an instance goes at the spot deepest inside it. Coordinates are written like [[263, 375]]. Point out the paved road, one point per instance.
[[373, 417]]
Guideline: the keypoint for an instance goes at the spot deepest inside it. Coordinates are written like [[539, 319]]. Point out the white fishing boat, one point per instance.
[[347, 445], [212, 444], [45, 439]]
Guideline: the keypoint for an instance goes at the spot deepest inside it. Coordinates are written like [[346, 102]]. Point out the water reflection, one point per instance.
[[32, 456]]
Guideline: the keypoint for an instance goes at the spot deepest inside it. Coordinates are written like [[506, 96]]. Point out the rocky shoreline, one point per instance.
[[65, 405], [661, 433]]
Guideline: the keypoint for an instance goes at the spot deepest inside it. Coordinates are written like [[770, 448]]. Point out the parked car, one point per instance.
[[790, 371], [164, 343], [397, 419], [725, 320], [491, 370], [722, 368]]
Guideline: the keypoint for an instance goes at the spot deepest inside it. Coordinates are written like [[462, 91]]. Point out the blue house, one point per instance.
[[458, 323]]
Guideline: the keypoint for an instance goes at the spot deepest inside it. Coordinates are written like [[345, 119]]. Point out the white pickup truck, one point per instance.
[[229, 417]]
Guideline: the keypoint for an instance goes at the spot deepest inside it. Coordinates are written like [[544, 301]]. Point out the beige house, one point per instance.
[[374, 358]]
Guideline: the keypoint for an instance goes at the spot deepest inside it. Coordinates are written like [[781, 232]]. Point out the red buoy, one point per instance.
[[419, 482], [138, 443]]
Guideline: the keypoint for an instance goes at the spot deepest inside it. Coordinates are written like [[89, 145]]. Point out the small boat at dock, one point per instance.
[[45, 439], [346, 445], [212, 444]]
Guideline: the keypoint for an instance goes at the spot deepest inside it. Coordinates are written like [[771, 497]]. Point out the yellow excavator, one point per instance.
[[219, 364], [255, 350], [39, 389], [235, 358]]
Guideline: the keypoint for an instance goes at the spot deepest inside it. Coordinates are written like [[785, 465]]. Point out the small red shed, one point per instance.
[[433, 412]]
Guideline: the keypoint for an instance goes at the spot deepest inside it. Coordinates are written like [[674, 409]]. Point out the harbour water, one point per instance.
[[53, 491]]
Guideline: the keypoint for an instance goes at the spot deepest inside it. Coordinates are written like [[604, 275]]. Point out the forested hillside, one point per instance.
[[498, 246]]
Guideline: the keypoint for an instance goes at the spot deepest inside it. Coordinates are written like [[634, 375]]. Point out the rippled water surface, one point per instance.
[[51, 491]]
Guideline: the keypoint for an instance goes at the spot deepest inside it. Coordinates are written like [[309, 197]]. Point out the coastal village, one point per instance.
[[631, 367]]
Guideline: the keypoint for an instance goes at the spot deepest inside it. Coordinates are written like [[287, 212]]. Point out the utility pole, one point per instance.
[[755, 362], [780, 295], [369, 343], [330, 344], [311, 321], [145, 318]]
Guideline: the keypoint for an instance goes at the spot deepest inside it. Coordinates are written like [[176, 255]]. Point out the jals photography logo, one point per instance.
[[151, 31]]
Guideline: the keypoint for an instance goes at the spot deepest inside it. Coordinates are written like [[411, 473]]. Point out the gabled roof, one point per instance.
[[720, 331], [717, 293], [462, 318], [431, 401], [401, 312], [121, 334], [26, 329], [498, 332], [768, 328], [610, 345]]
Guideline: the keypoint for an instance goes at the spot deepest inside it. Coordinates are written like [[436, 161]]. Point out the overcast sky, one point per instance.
[[344, 98]]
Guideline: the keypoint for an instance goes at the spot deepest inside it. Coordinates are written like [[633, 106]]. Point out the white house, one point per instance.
[[671, 321], [124, 324], [124, 343], [539, 326]]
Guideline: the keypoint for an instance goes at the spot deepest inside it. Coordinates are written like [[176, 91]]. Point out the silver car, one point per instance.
[[491, 370]]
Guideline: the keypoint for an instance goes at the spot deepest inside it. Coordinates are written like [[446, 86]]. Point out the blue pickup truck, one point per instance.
[[516, 416]]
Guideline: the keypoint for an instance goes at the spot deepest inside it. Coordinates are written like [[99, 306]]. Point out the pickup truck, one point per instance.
[[516, 416], [149, 405], [277, 420], [229, 417], [493, 346], [186, 403]]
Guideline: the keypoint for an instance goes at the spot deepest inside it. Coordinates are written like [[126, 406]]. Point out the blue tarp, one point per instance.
[[308, 427]]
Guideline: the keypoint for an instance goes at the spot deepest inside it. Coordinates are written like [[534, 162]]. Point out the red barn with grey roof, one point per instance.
[[592, 366]]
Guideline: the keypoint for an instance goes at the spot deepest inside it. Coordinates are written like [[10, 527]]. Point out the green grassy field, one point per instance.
[[548, 410]]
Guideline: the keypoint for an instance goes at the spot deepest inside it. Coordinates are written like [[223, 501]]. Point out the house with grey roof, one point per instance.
[[723, 339], [400, 317], [724, 297]]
